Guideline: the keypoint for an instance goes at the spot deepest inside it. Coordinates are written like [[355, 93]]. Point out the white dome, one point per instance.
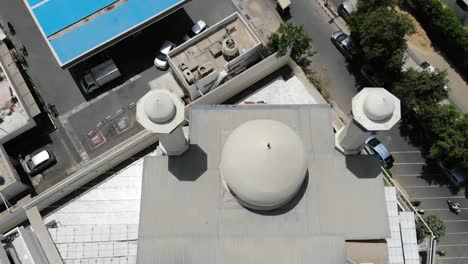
[[159, 108], [379, 106], [264, 164]]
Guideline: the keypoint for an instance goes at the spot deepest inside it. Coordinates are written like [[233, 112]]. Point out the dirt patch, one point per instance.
[[419, 38], [318, 76]]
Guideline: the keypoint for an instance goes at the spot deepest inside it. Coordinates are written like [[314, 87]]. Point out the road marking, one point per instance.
[[442, 209], [457, 233], [427, 186], [417, 175], [410, 163], [404, 152], [453, 245], [453, 257], [455, 221], [431, 198]]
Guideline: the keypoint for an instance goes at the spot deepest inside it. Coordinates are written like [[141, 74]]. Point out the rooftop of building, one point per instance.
[[14, 117], [74, 29], [204, 54], [185, 200], [8, 174]]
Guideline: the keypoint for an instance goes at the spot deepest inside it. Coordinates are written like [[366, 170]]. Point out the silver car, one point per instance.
[[346, 8], [343, 42]]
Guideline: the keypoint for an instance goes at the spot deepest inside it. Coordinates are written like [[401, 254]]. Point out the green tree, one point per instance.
[[366, 5], [291, 36], [448, 130], [379, 37], [435, 224], [420, 88]]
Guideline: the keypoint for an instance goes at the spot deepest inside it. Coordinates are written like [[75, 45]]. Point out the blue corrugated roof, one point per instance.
[[104, 27], [55, 15], [34, 2]]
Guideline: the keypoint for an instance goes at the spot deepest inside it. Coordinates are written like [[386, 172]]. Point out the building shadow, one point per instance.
[[291, 204], [190, 165], [363, 166]]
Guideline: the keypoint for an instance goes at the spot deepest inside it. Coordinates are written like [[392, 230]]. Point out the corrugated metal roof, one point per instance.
[[187, 215]]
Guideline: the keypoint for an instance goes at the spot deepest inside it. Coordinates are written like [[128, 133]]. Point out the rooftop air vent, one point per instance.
[[230, 49], [205, 69], [189, 76]]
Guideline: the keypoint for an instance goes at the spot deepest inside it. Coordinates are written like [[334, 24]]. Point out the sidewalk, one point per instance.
[[419, 50], [261, 15]]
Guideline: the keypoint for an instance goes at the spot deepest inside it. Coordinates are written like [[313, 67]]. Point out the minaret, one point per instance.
[[374, 109], [162, 112]]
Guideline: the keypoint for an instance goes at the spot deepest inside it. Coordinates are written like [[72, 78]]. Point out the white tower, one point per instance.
[[162, 112], [374, 109]]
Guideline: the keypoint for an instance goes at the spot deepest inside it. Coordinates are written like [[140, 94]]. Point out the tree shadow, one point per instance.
[[411, 130], [190, 165]]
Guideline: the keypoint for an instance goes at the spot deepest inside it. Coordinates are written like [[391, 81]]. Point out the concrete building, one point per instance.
[[374, 109], [17, 111], [17, 105], [215, 56], [31, 245], [245, 192], [10, 182]]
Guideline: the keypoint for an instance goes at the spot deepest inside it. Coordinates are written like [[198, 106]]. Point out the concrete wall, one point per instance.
[[237, 64], [242, 81], [243, 60]]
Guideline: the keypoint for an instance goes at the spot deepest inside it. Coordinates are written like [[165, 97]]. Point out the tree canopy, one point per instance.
[[448, 129], [420, 88], [435, 224], [378, 36], [292, 36]]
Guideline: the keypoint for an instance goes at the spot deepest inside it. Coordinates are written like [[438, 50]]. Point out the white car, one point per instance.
[[196, 29], [38, 162], [161, 59], [427, 67]]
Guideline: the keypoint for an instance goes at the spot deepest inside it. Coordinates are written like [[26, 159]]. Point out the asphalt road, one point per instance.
[[421, 181], [329, 63]]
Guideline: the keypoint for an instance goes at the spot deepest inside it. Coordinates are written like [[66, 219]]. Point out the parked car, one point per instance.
[[376, 147], [346, 8], [161, 59], [343, 42], [371, 76], [99, 75], [455, 175], [37, 162], [425, 67], [196, 29]]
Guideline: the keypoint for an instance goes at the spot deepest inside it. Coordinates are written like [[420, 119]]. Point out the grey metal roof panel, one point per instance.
[[188, 215], [235, 250]]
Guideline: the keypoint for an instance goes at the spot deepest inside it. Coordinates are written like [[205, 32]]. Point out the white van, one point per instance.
[[99, 75]]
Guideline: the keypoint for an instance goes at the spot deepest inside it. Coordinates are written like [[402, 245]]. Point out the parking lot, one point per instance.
[[80, 113], [426, 183]]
